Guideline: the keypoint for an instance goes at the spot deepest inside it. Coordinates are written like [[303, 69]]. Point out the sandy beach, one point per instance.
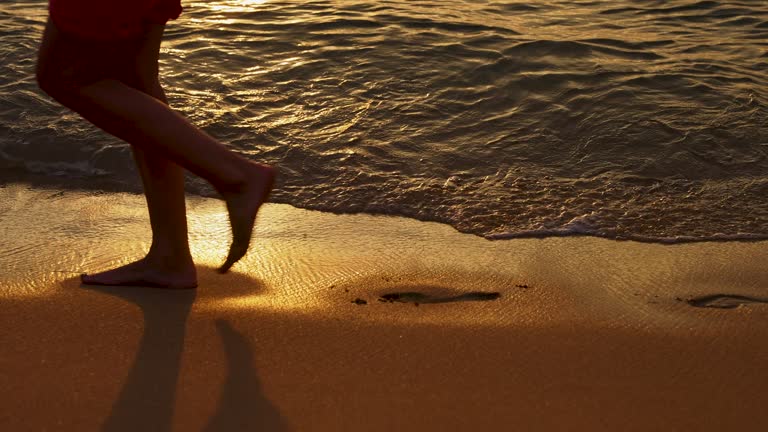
[[366, 323]]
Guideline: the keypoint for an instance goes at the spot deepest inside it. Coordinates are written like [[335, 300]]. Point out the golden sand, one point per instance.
[[366, 323]]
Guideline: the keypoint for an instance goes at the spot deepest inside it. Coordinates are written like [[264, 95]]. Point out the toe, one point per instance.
[[236, 252]]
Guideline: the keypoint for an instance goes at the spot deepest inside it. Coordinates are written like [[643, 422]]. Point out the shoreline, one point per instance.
[[107, 184], [584, 333]]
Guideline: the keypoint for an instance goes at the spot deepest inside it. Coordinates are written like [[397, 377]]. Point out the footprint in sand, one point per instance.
[[724, 301], [421, 298]]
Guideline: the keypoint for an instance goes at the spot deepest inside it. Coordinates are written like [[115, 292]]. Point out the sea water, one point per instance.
[[625, 119]]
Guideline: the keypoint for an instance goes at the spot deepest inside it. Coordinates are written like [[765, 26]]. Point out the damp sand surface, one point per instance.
[[356, 322]]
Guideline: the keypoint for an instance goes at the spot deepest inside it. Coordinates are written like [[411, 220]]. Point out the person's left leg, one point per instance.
[[168, 262]]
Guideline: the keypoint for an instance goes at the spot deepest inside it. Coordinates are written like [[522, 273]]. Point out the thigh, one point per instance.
[[70, 62], [104, 20]]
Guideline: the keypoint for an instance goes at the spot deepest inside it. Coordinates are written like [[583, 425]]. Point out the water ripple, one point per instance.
[[642, 120]]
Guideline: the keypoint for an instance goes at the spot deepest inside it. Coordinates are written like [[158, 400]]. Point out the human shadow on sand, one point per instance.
[[147, 399], [243, 406]]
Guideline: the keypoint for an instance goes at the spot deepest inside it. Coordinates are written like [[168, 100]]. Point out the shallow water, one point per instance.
[[624, 119]]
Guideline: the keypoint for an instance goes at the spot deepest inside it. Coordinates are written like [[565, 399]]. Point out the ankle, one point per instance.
[[249, 173], [236, 179], [171, 259]]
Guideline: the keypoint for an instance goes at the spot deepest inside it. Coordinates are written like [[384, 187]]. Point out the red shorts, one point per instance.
[[108, 20]]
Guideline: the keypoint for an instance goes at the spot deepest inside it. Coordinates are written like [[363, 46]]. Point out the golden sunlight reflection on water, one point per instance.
[[504, 119], [223, 11], [230, 5]]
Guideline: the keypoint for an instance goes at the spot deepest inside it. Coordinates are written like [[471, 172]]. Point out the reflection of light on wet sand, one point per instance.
[[311, 262], [341, 266]]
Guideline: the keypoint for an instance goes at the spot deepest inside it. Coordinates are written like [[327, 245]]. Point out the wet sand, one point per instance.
[[363, 323]]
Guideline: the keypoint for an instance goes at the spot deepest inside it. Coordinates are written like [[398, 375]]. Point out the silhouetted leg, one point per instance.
[[169, 259]]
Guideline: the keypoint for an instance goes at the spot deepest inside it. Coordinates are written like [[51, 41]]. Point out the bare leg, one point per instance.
[[169, 263], [140, 117]]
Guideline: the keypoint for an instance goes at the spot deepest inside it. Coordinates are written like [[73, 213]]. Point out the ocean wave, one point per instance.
[[503, 119]]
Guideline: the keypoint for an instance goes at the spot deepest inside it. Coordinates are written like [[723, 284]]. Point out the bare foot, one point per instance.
[[242, 205], [146, 274]]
